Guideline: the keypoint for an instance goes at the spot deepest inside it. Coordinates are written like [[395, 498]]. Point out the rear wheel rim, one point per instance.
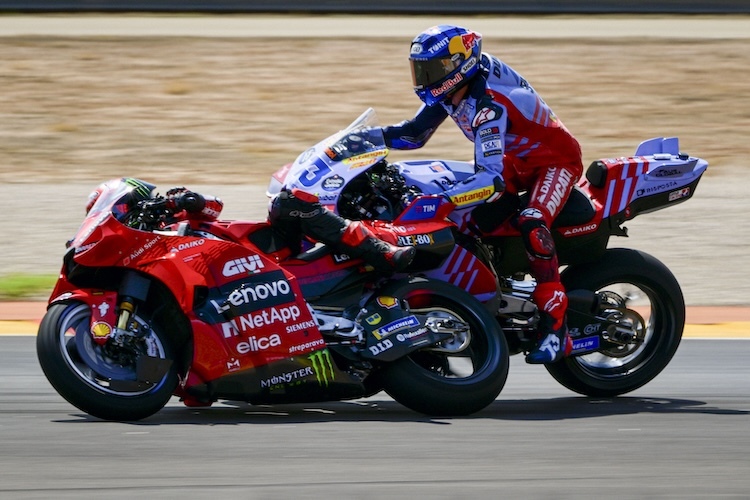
[[460, 365], [640, 302]]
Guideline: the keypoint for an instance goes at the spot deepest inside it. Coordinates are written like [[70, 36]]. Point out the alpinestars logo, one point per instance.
[[484, 115], [555, 302], [322, 366], [551, 345], [251, 264]]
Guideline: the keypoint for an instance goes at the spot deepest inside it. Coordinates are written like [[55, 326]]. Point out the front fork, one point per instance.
[[110, 319], [133, 289]]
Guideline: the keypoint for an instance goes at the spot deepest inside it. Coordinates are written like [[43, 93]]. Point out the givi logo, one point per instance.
[[251, 264]]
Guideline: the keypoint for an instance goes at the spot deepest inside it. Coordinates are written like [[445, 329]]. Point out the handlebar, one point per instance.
[[152, 213], [190, 202]]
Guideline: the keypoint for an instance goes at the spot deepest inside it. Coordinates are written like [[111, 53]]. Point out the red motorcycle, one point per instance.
[[156, 297]]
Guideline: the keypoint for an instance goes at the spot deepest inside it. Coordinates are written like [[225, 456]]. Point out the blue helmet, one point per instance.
[[443, 59]]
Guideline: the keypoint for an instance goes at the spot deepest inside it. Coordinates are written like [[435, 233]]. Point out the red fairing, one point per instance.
[[622, 179], [463, 269]]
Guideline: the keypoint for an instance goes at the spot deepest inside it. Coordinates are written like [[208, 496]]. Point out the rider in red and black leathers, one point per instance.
[[519, 145], [295, 213]]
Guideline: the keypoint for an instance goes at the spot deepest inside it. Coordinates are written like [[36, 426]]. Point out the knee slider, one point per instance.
[[537, 239]]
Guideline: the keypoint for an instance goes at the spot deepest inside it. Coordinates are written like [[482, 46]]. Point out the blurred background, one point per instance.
[[218, 95]]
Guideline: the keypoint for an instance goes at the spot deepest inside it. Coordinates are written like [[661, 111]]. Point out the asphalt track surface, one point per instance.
[[684, 435]]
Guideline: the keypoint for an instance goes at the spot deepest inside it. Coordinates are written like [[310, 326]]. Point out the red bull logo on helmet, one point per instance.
[[463, 44], [447, 85]]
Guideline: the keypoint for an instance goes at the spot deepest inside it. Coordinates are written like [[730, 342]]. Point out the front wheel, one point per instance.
[[642, 296], [123, 382], [459, 377]]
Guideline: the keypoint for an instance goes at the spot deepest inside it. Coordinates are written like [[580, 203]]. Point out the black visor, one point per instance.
[[427, 72]]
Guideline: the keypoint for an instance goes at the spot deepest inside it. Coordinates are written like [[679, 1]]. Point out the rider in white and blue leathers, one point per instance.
[[519, 145]]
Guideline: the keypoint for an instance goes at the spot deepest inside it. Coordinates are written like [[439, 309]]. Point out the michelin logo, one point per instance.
[[394, 326]]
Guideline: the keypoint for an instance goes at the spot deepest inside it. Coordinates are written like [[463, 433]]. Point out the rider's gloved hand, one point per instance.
[[181, 198]]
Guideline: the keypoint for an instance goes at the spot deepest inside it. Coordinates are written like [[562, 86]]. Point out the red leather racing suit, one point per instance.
[[519, 145]]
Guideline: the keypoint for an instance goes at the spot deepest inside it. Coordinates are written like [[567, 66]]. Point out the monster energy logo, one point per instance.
[[322, 366], [140, 188]]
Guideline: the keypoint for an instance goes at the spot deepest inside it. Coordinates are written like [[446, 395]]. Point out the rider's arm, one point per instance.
[[414, 133], [191, 205], [489, 125]]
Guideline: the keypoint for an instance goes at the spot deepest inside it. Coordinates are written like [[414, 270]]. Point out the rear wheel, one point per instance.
[[642, 296], [461, 376], [113, 382]]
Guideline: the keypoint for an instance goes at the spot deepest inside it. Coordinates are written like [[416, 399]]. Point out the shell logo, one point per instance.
[[101, 329], [387, 302]]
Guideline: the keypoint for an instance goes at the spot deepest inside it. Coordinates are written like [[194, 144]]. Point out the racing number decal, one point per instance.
[[315, 173]]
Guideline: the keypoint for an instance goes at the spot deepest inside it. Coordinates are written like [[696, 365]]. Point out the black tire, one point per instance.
[[83, 373], [658, 313], [428, 382]]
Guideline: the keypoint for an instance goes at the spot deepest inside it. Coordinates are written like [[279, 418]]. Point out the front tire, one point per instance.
[[442, 382], [641, 292], [98, 380]]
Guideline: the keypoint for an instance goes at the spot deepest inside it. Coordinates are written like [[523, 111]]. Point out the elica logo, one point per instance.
[[251, 264], [255, 344]]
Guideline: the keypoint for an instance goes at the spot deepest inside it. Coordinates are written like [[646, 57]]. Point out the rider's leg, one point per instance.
[[549, 194], [297, 210]]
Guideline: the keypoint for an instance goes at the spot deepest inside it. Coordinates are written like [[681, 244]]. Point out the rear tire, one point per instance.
[[450, 383], [90, 378], [648, 291]]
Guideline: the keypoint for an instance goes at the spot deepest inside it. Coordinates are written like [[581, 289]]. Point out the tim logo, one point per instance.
[[245, 265], [428, 209]]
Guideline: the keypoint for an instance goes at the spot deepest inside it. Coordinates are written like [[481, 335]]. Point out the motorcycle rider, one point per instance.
[[519, 145], [294, 212]]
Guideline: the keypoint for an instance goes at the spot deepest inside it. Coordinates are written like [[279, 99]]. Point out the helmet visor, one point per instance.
[[427, 72]]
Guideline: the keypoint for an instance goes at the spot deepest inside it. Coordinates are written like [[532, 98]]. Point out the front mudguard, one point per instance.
[[103, 306]]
